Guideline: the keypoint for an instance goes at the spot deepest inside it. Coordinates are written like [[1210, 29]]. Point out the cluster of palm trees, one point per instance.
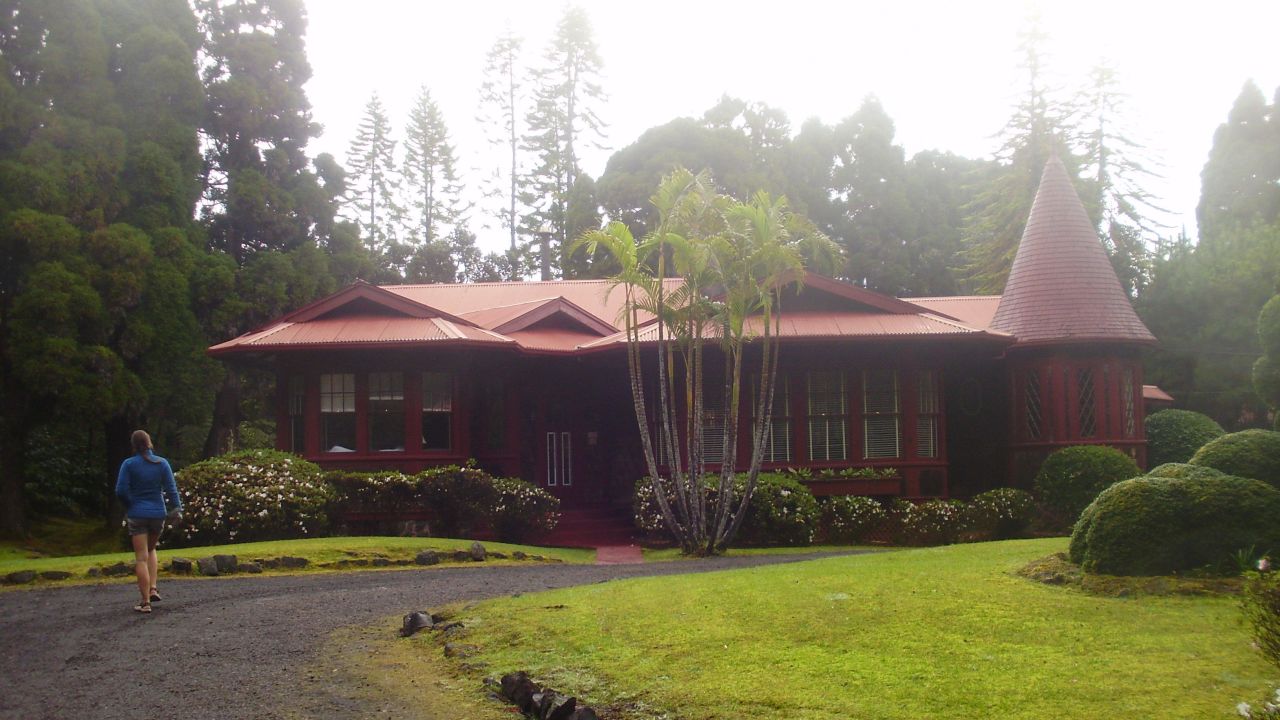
[[713, 272]]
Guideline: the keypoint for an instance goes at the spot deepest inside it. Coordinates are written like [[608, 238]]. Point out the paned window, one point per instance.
[[881, 428], [386, 411], [1086, 411], [828, 416], [297, 418], [437, 411], [1035, 421], [927, 414], [713, 422], [338, 412], [1127, 403]]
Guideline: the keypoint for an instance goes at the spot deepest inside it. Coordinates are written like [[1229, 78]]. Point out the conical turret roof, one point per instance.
[[1062, 289]]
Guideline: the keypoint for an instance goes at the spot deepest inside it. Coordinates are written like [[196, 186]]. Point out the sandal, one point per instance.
[[155, 595], [142, 607]]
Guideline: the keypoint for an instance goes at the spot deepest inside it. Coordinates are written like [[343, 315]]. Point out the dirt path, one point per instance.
[[234, 648]]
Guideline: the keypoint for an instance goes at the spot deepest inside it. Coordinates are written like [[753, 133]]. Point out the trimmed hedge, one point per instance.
[[1001, 514], [522, 510], [1249, 453], [1072, 477], [248, 496], [1175, 520], [1173, 436], [782, 511]]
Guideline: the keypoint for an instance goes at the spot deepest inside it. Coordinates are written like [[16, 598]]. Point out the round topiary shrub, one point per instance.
[[251, 495], [1001, 514], [851, 518], [1153, 525], [1072, 477], [522, 510], [1248, 453], [1173, 436]]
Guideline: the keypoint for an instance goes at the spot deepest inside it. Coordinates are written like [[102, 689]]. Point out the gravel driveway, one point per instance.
[[234, 648]]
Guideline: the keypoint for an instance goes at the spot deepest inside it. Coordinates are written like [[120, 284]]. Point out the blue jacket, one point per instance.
[[142, 486]]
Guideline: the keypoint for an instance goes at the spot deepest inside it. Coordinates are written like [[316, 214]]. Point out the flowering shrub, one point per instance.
[[862, 473], [1001, 514], [781, 511], [1072, 477], [522, 509], [251, 495], [1262, 609], [935, 522], [454, 499], [851, 518], [1268, 709]]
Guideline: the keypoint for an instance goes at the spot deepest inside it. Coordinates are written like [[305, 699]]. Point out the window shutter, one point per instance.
[[881, 437], [827, 416]]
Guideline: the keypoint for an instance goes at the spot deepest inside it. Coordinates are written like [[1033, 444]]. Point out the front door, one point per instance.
[[561, 450]]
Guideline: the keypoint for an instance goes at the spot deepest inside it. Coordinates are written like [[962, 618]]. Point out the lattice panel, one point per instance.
[[1087, 414], [1035, 420]]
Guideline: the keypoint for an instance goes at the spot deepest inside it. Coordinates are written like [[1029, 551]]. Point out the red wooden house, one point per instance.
[[954, 394]]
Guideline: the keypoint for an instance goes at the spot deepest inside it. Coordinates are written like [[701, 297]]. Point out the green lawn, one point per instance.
[[931, 633], [316, 550], [671, 553]]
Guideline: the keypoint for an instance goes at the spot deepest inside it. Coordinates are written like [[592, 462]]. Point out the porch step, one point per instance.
[[619, 555], [590, 529]]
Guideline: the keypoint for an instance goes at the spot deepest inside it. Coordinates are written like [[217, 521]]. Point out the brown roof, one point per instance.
[[1062, 289]]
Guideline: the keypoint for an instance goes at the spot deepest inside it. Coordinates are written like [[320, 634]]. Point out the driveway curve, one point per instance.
[[235, 647]]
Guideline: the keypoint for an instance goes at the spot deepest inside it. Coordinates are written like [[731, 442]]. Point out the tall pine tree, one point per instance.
[[374, 181], [431, 182], [500, 98]]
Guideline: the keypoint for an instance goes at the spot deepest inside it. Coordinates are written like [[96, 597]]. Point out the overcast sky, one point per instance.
[[946, 72]]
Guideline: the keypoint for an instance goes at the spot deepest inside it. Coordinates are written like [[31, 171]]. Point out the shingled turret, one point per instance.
[[1062, 289]]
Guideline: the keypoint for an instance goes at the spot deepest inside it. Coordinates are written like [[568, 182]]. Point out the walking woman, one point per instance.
[[144, 483]]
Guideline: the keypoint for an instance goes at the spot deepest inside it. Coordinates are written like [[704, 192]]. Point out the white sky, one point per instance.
[[946, 72]]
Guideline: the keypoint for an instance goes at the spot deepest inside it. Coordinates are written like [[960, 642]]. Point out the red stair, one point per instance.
[[590, 528]]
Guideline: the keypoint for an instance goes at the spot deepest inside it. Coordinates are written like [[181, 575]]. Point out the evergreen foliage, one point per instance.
[[374, 180], [1072, 477], [1173, 436], [500, 102], [1249, 453], [1266, 370], [429, 169]]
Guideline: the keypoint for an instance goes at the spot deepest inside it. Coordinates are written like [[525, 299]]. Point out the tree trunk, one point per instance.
[[118, 429], [226, 416], [13, 517]]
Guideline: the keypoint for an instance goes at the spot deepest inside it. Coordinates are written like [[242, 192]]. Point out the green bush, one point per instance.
[[251, 495], [1173, 436], [1072, 477], [782, 511], [1262, 609], [456, 500], [851, 518], [1001, 514], [935, 522], [1160, 524], [522, 510], [1249, 453]]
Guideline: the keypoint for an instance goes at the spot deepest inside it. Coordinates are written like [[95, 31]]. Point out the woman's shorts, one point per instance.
[[145, 526]]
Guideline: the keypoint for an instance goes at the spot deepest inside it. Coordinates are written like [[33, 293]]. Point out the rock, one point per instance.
[[448, 627], [269, 563], [477, 552], [21, 577], [415, 621], [519, 555], [437, 618], [208, 566], [427, 557], [402, 562], [461, 555], [584, 713], [293, 562], [559, 708], [226, 563], [181, 566], [117, 570], [93, 572], [454, 630], [55, 575], [460, 650], [519, 689], [252, 568], [381, 562], [537, 558], [497, 555]]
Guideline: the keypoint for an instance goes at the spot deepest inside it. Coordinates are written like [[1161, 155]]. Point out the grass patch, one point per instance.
[[947, 632], [318, 551], [56, 537], [1056, 569], [673, 553]]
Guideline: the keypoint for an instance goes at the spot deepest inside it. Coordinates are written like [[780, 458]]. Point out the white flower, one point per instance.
[[1243, 710]]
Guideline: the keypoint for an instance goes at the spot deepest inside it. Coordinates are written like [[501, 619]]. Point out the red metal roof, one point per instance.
[[972, 310], [1062, 288], [1154, 393], [360, 330]]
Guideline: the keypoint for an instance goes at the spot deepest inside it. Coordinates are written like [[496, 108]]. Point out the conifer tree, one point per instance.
[[373, 180], [500, 98], [1040, 127], [1240, 183], [430, 178], [563, 118]]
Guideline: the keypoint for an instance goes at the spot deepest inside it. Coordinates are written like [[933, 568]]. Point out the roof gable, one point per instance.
[[557, 312], [361, 298]]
